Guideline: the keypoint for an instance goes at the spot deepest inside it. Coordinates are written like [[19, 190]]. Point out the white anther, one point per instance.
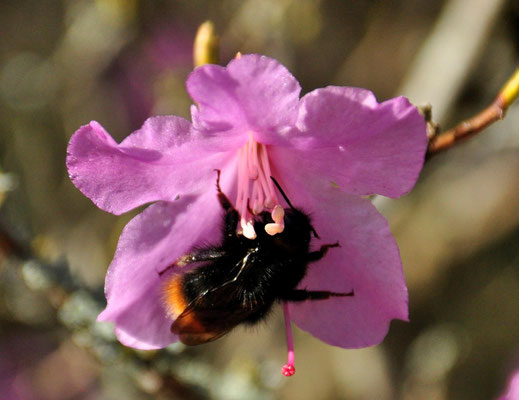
[[272, 229], [278, 214], [248, 230]]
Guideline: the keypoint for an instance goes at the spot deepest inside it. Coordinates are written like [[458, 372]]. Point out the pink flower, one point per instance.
[[512, 392], [326, 149]]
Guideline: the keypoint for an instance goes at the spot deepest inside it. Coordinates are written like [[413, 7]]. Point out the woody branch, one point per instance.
[[494, 112]]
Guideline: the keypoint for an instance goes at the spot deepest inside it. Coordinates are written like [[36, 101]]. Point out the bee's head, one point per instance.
[[298, 226]]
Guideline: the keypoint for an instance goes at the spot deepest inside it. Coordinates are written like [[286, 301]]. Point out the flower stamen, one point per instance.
[[256, 188]]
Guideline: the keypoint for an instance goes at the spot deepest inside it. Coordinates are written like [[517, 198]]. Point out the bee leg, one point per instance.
[[231, 222], [317, 255], [224, 201], [314, 232], [303, 294], [231, 214], [199, 256]]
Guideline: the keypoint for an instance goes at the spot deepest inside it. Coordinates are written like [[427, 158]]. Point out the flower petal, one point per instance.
[[512, 392], [361, 145], [119, 177], [253, 93], [367, 262], [149, 243]]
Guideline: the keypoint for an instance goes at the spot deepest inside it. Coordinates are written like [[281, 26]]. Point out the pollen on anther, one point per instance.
[[278, 214], [248, 230], [274, 228]]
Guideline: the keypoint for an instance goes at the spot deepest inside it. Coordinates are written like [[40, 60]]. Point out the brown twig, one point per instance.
[[494, 112], [467, 128]]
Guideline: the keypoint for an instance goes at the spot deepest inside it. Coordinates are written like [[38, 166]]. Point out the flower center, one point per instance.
[[256, 191]]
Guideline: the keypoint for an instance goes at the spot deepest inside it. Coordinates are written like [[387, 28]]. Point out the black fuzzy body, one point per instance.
[[248, 276], [239, 280]]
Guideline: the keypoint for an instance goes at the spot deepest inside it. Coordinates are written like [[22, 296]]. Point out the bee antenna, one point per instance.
[[282, 192], [290, 204]]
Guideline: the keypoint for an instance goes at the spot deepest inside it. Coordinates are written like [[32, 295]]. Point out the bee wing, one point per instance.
[[192, 332], [212, 314], [200, 323]]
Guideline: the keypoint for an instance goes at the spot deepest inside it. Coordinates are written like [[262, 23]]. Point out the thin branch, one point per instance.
[[494, 112]]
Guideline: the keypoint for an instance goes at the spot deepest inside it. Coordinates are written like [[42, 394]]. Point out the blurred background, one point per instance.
[[64, 63]]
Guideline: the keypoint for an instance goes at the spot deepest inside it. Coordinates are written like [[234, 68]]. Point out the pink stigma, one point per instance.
[[288, 369]]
